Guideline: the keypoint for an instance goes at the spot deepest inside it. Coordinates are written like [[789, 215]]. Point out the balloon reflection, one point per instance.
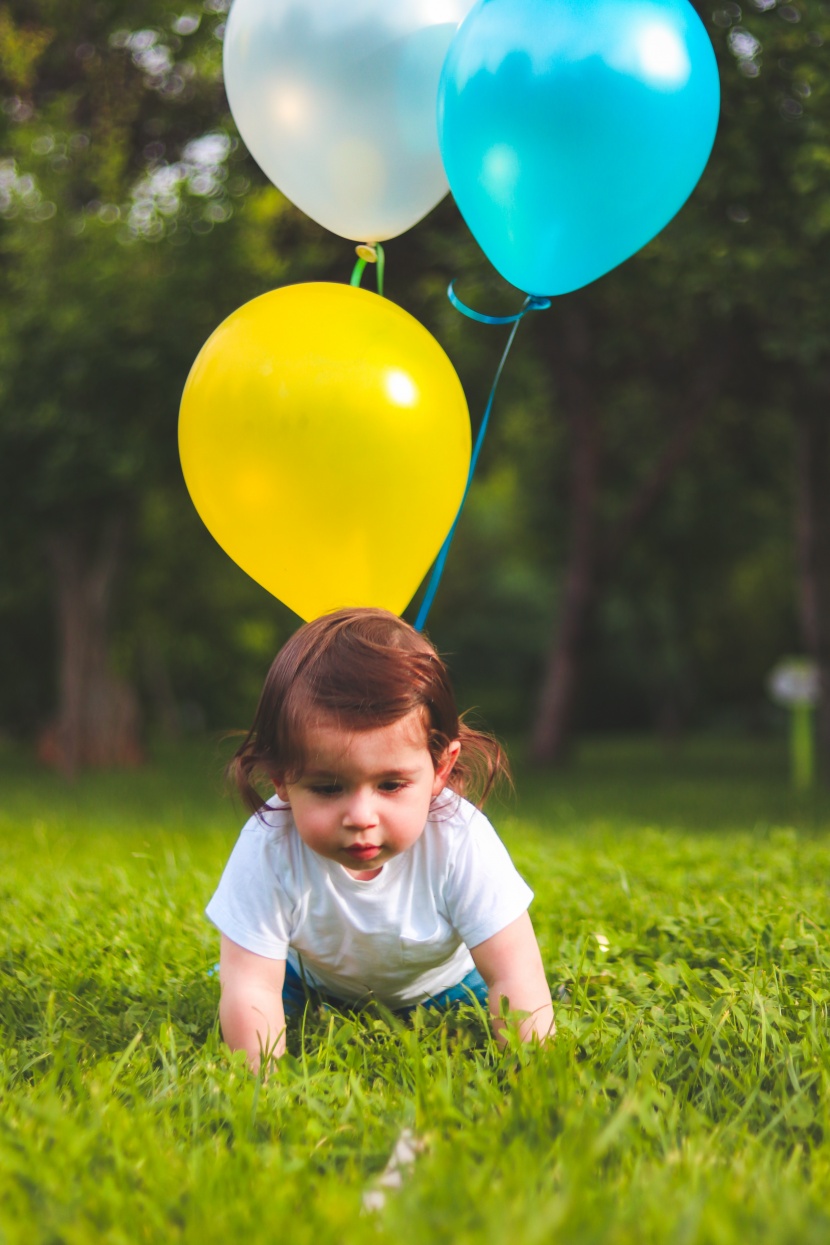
[[400, 388], [663, 58]]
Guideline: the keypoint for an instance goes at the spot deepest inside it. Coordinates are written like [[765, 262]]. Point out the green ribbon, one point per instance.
[[379, 260]]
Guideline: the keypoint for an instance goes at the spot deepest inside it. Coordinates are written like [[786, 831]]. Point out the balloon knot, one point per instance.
[[369, 253]]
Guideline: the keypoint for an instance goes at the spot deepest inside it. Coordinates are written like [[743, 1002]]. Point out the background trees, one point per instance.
[[123, 244], [630, 553], [683, 382]]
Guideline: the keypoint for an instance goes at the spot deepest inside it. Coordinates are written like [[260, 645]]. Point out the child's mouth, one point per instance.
[[368, 852]]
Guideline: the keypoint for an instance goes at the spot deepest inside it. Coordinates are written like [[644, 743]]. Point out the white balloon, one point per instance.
[[336, 102]]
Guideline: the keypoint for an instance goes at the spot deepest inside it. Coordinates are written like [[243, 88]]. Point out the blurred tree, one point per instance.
[[696, 323], [636, 478], [128, 229], [772, 183], [666, 512], [668, 406]]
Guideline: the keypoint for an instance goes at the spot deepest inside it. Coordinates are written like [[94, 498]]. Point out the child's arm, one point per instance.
[[511, 964], [251, 1010]]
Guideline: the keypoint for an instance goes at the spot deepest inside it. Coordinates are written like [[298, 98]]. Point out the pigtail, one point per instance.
[[245, 767], [482, 766]]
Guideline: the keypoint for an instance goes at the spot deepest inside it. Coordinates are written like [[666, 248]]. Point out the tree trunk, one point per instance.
[[563, 670], [97, 717], [812, 462], [593, 555]]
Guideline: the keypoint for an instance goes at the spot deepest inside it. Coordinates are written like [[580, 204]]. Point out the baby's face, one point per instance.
[[365, 795]]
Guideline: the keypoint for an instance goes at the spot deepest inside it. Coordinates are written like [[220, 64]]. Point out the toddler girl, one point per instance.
[[368, 874]]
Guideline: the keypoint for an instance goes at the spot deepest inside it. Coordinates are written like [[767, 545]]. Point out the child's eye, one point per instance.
[[392, 784], [325, 788]]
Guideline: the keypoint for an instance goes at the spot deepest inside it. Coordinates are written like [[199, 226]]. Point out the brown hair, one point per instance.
[[367, 669]]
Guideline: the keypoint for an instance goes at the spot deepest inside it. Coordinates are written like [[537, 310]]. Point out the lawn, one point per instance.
[[682, 908]]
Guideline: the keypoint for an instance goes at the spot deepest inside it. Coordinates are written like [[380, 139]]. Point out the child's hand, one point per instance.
[[511, 964], [251, 1009]]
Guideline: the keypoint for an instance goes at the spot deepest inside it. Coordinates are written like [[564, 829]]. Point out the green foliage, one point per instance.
[[685, 1098], [703, 602], [20, 50], [132, 221]]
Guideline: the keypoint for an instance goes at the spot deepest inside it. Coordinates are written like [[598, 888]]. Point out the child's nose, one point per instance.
[[360, 811]]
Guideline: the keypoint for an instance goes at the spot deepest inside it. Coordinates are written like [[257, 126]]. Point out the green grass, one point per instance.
[[682, 908]]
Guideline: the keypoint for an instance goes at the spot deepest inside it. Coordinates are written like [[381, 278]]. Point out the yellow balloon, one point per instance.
[[325, 442]]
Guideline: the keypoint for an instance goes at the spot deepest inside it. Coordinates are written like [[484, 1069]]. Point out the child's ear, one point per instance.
[[280, 788], [444, 767]]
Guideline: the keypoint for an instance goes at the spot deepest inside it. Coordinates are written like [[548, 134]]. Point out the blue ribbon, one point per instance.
[[531, 303]]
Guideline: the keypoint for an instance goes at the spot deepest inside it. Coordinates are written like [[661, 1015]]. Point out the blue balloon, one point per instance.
[[572, 131]]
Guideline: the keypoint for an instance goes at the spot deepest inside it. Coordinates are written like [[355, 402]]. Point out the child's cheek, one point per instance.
[[316, 825]]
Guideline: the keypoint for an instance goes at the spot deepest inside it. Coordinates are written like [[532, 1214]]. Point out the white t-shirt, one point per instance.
[[400, 936]]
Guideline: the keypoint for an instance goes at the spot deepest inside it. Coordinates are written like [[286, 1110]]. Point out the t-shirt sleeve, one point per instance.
[[251, 905], [485, 891]]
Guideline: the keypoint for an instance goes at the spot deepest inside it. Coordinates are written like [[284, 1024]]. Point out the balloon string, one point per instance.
[[369, 253], [531, 303]]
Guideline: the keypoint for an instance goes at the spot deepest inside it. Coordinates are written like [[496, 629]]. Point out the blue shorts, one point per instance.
[[296, 993]]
